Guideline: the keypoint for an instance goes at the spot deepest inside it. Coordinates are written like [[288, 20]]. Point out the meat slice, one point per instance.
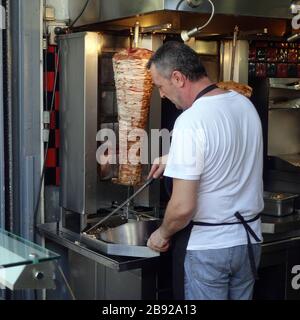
[[134, 88], [238, 87]]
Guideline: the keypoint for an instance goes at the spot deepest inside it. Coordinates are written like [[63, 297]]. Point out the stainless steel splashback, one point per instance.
[[284, 117], [284, 131], [107, 10], [78, 118]]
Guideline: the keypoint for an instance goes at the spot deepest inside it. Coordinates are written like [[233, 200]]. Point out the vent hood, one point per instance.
[[100, 11]]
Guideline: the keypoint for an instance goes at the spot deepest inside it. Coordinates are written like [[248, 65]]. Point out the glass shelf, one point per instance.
[[15, 251]]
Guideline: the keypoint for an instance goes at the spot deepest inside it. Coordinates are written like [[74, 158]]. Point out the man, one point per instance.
[[212, 218]]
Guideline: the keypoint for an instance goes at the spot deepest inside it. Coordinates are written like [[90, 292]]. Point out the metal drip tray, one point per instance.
[[127, 239], [133, 233]]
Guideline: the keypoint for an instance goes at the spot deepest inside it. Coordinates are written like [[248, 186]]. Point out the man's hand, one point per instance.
[[157, 242], [158, 167]]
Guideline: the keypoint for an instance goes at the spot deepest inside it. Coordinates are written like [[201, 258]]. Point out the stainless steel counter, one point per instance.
[[273, 225], [71, 241], [97, 276], [94, 275], [275, 229]]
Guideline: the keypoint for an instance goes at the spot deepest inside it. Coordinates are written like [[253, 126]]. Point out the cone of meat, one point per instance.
[[134, 88]]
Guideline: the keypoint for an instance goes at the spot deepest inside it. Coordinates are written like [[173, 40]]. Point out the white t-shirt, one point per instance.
[[218, 141]]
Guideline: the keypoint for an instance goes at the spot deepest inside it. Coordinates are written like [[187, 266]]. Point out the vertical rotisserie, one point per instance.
[[133, 87]]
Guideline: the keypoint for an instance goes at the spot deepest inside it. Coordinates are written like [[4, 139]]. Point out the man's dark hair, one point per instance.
[[176, 56]]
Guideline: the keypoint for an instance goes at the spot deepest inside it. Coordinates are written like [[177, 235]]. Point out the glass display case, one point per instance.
[[15, 251], [25, 265]]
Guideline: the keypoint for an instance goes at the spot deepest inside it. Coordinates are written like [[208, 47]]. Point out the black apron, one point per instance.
[[180, 239]]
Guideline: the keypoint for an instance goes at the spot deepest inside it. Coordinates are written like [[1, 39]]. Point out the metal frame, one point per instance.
[[2, 177], [26, 36], [34, 276]]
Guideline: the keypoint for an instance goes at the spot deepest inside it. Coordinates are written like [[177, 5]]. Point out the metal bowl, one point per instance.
[[134, 233]]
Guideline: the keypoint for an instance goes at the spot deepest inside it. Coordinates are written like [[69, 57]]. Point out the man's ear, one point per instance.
[[178, 79]]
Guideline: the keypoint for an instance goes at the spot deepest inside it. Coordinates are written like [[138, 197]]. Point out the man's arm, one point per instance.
[[180, 210]]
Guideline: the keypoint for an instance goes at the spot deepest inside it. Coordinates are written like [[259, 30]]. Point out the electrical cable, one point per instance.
[[45, 55], [179, 4], [35, 215], [80, 14], [211, 16], [66, 282], [186, 35]]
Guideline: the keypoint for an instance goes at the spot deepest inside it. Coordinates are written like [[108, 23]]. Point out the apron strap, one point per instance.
[[249, 231], [179, 244], [207, 224], [205, 91], [246, 225]]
